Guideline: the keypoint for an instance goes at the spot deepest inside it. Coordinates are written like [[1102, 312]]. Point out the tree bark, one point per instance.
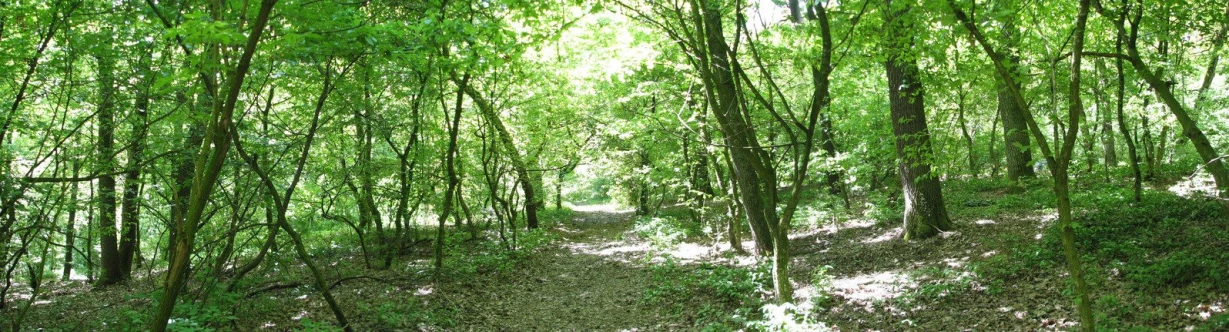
[[1016, 145], [1060, 162], [751, 174], [131, 208], [1132, 153], [925, 214], [70, 227], [449, 159], [112, 261], [282, 201]]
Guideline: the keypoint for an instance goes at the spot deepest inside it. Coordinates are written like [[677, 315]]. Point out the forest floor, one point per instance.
[[589, 281], [597, 270]]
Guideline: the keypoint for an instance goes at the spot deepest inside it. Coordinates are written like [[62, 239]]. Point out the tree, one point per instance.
[[1060, 162], [208, 164], [1016, 145], [925, 214]]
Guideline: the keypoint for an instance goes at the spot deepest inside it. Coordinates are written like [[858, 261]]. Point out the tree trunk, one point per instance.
[[208, 164], [642, 183], [509, 147], [1108, 147], [1132, 154], [70, 227], [453, 181], [131, 209], [925, 214], [1213, 163], [994, 156], [112, 261], [1016, 145], [751, 174], [1149, 145], [968, 138]]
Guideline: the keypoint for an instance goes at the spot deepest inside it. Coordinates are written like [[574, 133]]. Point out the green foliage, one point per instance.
[[737, 293], [550, 217], [883, 209], [786, 317], [1218, 322], [470, 257], [216, 312], [1019, 258], [1111, 312], [309, 325], [821, 280], [589, 191], [1161, 241], [665, 232], [935, 284], [411, 315]]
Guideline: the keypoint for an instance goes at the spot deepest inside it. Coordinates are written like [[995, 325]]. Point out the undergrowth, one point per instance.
[[1161, 242]]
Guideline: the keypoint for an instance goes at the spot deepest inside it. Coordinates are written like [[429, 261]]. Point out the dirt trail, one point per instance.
[[584, 282]]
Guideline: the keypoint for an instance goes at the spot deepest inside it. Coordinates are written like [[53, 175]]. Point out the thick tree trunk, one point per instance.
[[131, 209], [112, 261], [1016, 145], [925, 214]]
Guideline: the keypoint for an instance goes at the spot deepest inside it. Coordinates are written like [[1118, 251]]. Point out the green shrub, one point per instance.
[[410, 316], [663, 232], [469, 257], [736, 294], [1020, 258], [555, 216], [883, 210], [786, 317], [822, 281], [1160, 241]]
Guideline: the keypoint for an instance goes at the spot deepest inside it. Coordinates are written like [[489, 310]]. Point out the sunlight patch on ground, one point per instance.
[[830, 228], [1045, 218], [984, 222], [867, 288], [608, 207], [690, 252], [1204, 311], [684, 253], [891, 234], [619, 251], [1201, 184]]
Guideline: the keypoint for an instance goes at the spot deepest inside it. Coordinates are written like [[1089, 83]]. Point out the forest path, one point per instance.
[[590, 280]]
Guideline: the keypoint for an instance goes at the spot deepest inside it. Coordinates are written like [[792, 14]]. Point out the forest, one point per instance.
[[614, 165]]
